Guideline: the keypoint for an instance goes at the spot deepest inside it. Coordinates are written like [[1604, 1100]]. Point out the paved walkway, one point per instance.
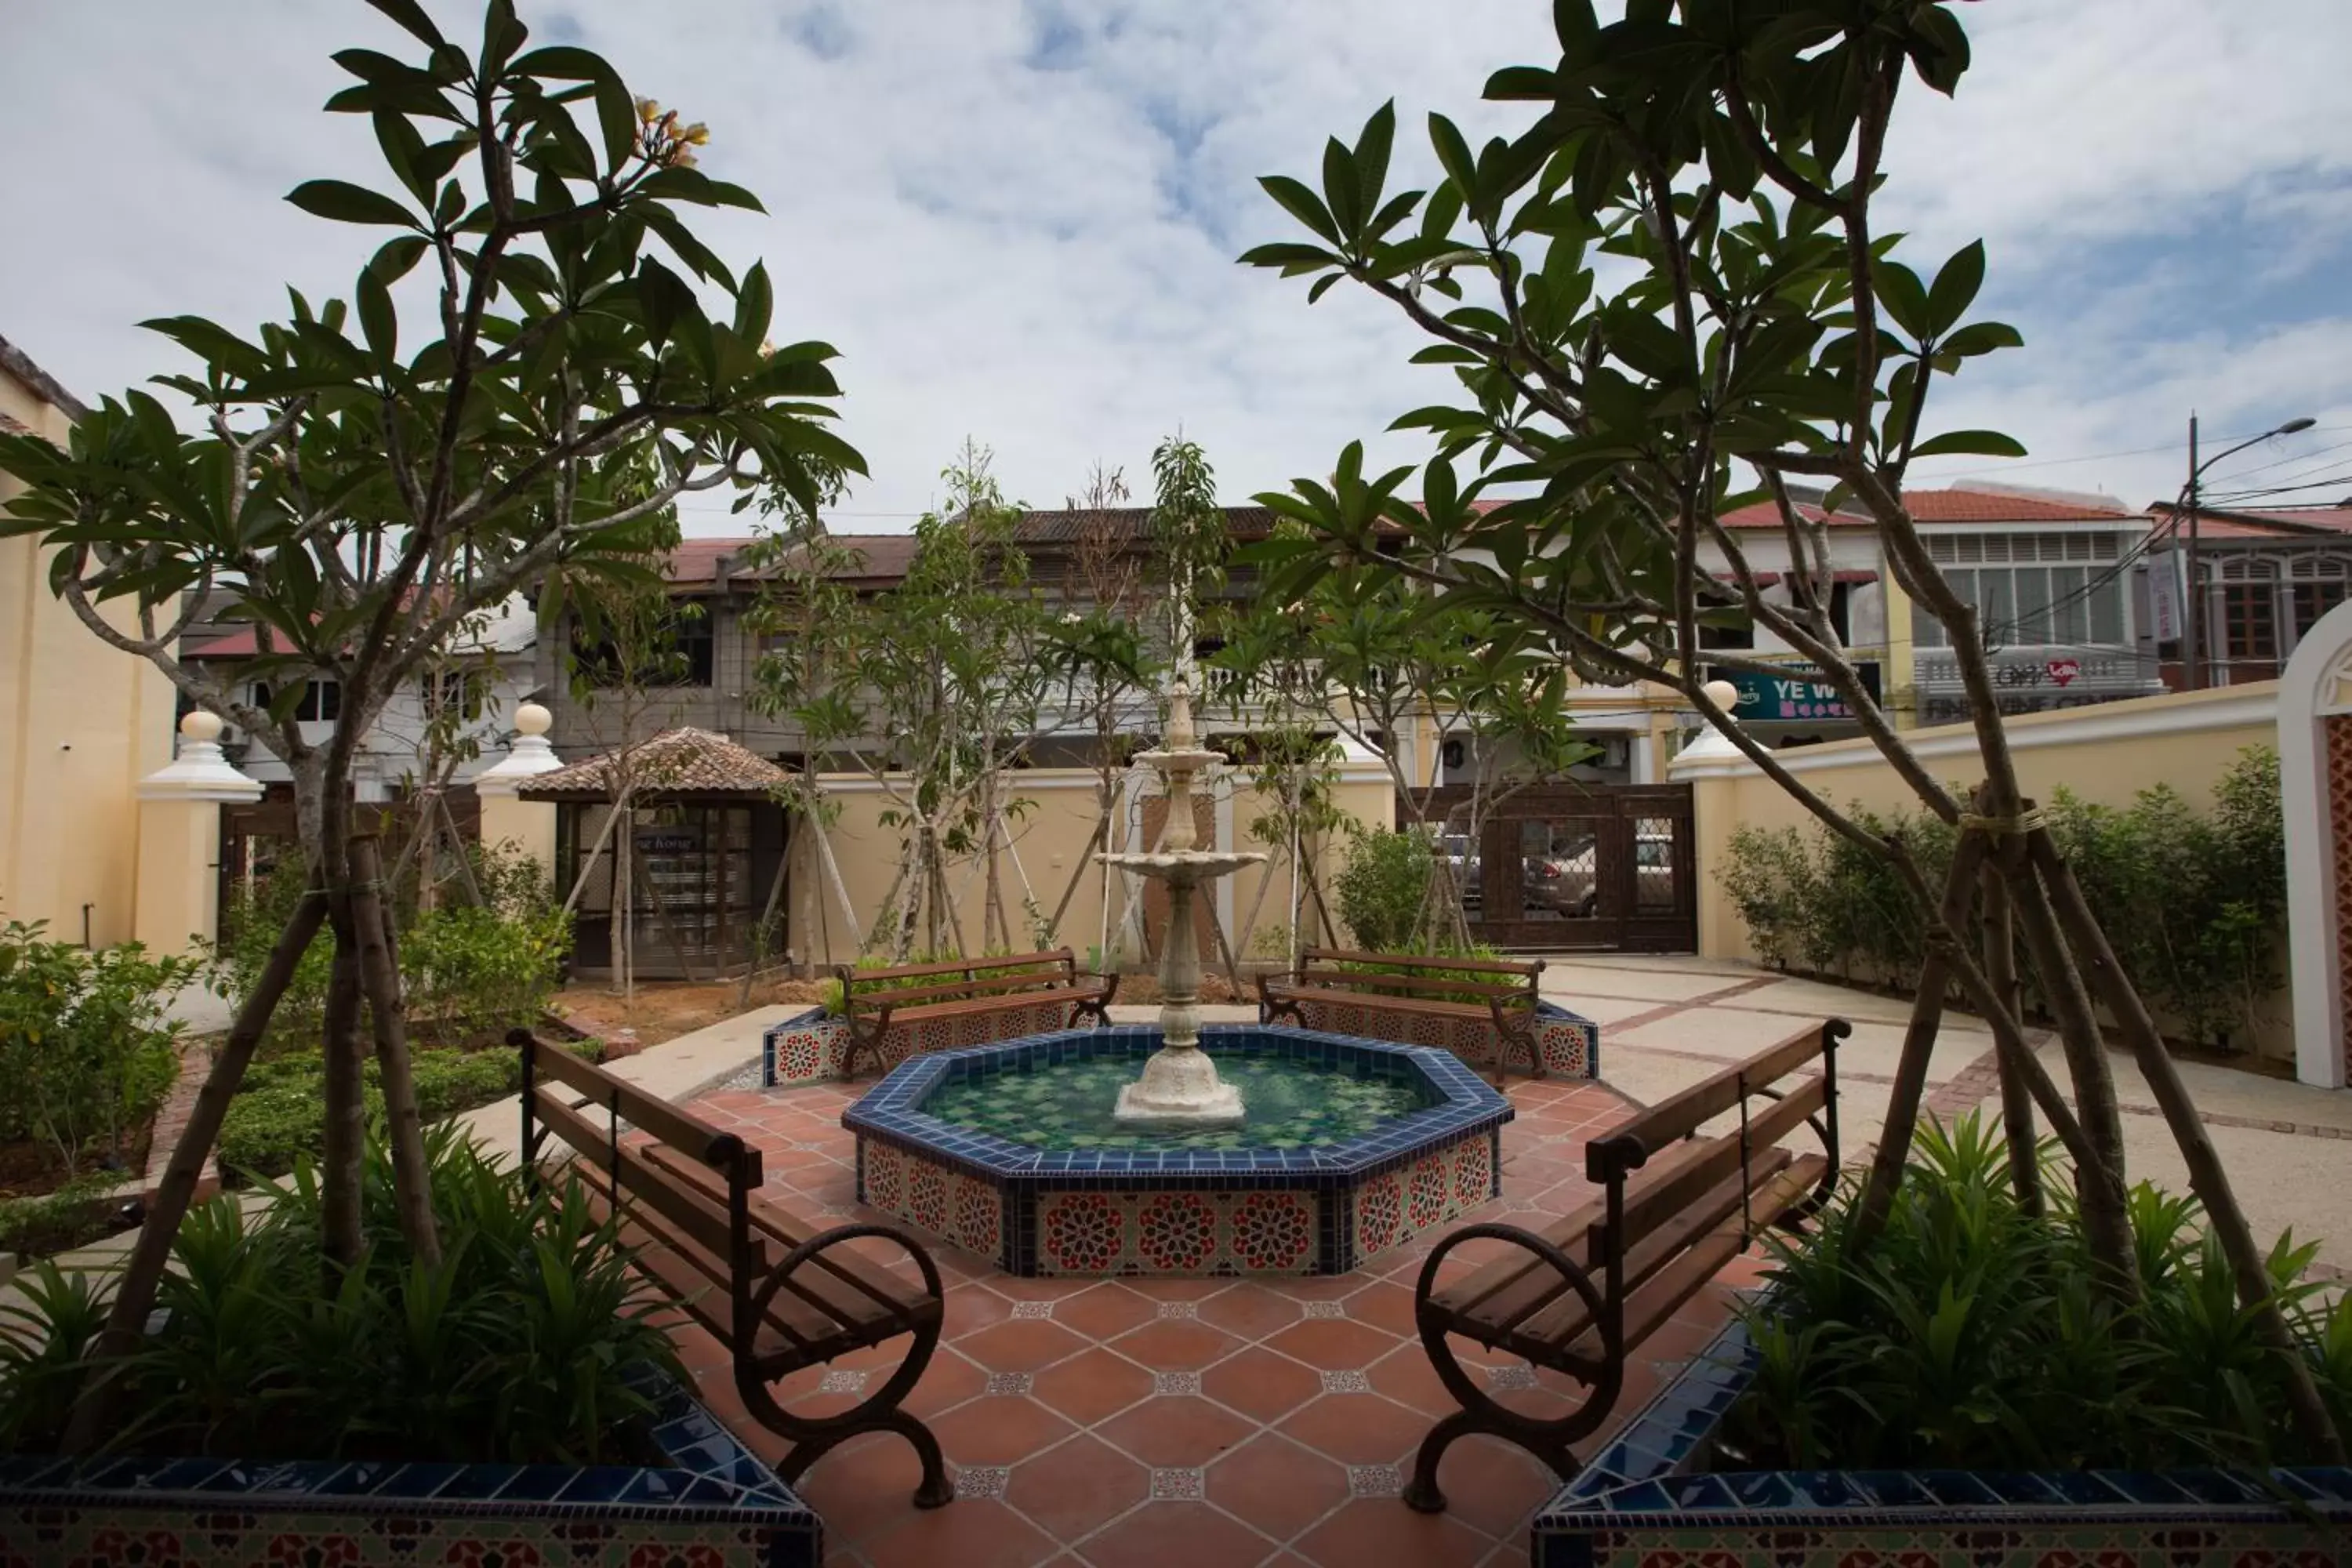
[[1667, 1021]]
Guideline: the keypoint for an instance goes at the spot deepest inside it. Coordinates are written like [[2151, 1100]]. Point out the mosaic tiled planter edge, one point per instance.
[[1568, 1043], [811, 1048], [1643, 1502], [718, 1507], [1178, 1212]]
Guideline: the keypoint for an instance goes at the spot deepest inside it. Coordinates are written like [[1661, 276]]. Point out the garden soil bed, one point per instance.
[[665, 1009]]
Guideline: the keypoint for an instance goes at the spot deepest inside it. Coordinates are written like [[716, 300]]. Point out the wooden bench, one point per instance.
[[1672, 1209], [780, 1293], [874, 1000], [1508, 1000]]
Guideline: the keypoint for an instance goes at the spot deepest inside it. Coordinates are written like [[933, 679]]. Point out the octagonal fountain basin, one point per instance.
[[1009, 1152]]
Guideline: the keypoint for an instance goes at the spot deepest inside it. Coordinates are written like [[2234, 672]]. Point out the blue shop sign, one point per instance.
[[1797, 696]]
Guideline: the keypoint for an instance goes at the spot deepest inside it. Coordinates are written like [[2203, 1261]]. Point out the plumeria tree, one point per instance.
[[931, 686], [523, 375], [1667, 296]]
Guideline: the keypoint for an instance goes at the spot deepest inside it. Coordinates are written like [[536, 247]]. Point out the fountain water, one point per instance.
[[1179, 1083]]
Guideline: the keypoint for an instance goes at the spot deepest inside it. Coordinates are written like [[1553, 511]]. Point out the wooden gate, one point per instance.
[[1575, 867], [255, 837]]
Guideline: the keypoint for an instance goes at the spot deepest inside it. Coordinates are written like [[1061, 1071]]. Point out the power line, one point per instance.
[[2133, 452]]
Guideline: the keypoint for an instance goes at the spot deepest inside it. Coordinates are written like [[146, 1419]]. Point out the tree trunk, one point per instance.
[[387, 1013], [1919, 1039], [134, 1297], [2016, 1095], [2206, 1177], [2100, 1185], [344, 1157]]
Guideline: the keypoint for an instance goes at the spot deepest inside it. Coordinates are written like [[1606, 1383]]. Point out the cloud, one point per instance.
[[1018, 220]]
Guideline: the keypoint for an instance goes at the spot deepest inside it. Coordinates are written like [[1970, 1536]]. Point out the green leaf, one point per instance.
[[379, 323], [1980, 338], [1980, 442], [754, 303], [403, 149], [1323, 285], [1956, 288], [616, 117], [411, 16], [1301, 203], [346, 203], [1454, 156], [1903, 296], [1372, 153], [564, 62], [1291, 258], [664, 296], [1343, 190]]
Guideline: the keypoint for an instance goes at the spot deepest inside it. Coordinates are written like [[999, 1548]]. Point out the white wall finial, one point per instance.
[[529, 756], [200, 772]]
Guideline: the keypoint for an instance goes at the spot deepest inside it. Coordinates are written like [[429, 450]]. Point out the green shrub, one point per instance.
[[86, 1052], [2194, 903], [467, 972], [524, 1345], [278, 1116], [1384, 886], [1971, 1335]]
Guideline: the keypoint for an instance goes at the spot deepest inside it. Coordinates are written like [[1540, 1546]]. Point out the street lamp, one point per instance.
[[2189, 494]]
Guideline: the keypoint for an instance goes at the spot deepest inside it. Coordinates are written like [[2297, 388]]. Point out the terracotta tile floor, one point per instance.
[[1202, 1422]]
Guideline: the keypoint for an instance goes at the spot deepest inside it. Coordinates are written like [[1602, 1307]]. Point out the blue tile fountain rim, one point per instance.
[[892, 1111], [712, 1478], [1644, 1481]]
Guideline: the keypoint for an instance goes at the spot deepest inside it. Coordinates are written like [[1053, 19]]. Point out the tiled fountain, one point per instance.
[[1178, 1149]]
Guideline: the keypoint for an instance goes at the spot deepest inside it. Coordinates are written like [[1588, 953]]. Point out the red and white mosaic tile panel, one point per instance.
[[1184, 1232], [818, 1049], [1566, 1045], [1397, 1206], [1178, 1233], [2339, 818], [184, 1538]]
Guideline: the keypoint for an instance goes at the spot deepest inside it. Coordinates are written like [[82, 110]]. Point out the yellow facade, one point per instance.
[[2104, 754], [1050, 844], [80, 724]]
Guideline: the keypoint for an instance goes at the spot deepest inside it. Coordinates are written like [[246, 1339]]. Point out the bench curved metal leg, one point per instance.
[[1548, 1440], [812, 1436]]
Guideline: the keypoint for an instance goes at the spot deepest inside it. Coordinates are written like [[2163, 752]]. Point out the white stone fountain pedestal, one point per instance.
[[1179, 1083]]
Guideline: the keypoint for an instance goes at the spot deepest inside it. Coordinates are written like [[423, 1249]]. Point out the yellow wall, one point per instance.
[[2104, 754], [1051, 840], [80, 725]]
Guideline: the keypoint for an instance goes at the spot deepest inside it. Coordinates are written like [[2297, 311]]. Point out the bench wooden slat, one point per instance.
[[650, 1188], [1683, 1112], [1344, 981], [1060, 955], [1720, 1156], [1662, 1294], [681, 1129], [1528, 967], [1571, 1234], [1402, 1004], [792, 1318], [958, 1001], [1546, 1332], [1683, 1206], [851, 1288], [1045, 980]]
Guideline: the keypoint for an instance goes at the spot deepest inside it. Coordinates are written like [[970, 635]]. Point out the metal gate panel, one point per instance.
[[1564, 867]]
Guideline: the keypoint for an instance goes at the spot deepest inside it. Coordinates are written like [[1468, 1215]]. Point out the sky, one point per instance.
[[1016, 219]]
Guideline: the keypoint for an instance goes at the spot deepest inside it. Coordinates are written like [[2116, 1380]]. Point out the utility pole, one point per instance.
[[2195, 584]]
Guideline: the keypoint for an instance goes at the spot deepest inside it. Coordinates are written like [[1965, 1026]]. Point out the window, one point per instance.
[[680, 653], [461, 692], [322, 700], [2030, 591], [2249, 612], [1733, 637], [2320, 590]]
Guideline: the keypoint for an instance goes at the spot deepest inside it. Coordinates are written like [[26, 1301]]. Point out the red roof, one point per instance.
[[1944, 505]]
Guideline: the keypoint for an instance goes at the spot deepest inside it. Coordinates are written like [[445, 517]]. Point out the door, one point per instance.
[[1576, 867]]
